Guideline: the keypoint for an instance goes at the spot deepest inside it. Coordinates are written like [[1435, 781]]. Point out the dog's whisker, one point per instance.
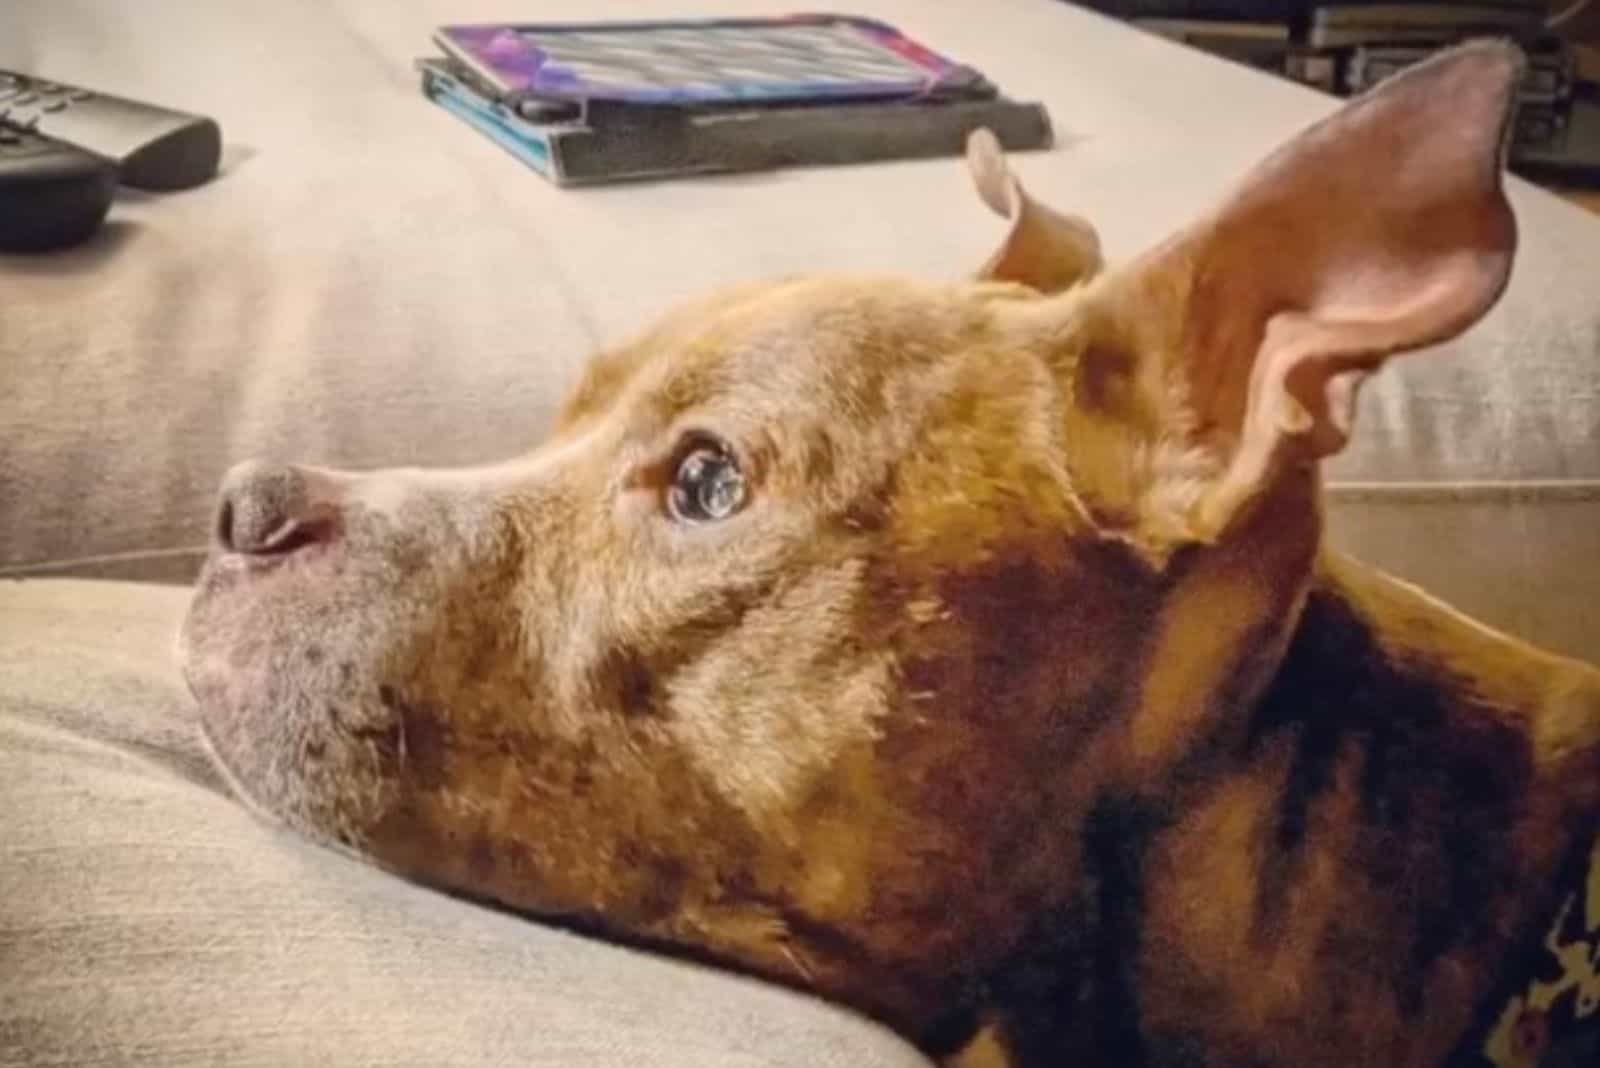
[[793, 956]]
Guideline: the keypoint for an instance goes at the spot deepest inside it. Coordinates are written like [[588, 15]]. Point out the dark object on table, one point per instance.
[[1573, 157], [1348, 25], [152, 147], [1346, 47], [52, 195]]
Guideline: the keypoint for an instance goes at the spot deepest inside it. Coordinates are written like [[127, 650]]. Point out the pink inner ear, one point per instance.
[[1385, 229], [1376, 312], [1380, 230]]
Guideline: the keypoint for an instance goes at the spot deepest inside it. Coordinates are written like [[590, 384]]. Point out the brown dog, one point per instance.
[[965, 653]]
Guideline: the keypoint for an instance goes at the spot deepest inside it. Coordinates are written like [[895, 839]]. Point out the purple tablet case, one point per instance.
[[791, 59]]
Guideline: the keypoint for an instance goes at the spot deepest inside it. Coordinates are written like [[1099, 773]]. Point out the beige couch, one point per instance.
[[371, 283]]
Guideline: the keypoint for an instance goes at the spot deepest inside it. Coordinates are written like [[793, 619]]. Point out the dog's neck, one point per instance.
[[1362, 859]]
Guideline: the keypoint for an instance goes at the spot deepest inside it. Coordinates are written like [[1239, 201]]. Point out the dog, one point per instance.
[[968, 653]]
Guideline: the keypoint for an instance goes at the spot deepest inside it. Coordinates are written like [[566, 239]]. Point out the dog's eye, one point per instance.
[[707, 485]]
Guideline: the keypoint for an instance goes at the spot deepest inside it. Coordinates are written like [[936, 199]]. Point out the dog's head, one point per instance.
[[832, 606]]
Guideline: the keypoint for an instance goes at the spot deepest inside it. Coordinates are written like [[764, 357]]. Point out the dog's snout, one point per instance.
[[268, 509]]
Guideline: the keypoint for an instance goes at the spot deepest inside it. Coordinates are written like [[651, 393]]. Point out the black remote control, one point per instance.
[[152, 147], [51, 194]]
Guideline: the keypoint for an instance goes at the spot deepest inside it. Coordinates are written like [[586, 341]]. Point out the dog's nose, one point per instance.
[[269, 509]]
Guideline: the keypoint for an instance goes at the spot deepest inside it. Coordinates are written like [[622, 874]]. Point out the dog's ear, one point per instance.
[[1042, 249], [1382, 229]]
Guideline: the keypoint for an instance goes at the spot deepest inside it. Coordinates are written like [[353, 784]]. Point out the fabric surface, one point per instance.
[[372, 283], [1523, 557], [147, 919]]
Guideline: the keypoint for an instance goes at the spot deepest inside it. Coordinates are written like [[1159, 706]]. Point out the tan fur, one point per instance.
[[1019, 705]]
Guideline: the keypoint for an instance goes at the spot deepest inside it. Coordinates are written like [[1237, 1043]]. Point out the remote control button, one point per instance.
[[55, 105], [27, 98]]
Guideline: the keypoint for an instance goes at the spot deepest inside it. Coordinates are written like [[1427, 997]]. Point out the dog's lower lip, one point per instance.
[[296, 537], [251, 563], [304, 549]]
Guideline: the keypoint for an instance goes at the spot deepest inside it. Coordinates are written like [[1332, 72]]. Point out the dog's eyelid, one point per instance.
[[690, 434], [690, 438]]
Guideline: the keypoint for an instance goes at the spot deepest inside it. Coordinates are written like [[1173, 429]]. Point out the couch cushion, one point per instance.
[[1524, 557], [371, 283], [147, 919]]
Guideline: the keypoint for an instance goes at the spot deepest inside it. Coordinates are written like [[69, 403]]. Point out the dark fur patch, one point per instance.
[[1115, 842], [1432, 796], [481, 860], [1071, 991], [628, 681], [418, 740]]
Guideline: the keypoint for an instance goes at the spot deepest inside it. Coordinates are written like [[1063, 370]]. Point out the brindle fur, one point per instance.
[[1021, 707]]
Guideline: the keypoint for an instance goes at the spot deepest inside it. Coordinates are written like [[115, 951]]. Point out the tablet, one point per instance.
[[784, 60], [597, 141]]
